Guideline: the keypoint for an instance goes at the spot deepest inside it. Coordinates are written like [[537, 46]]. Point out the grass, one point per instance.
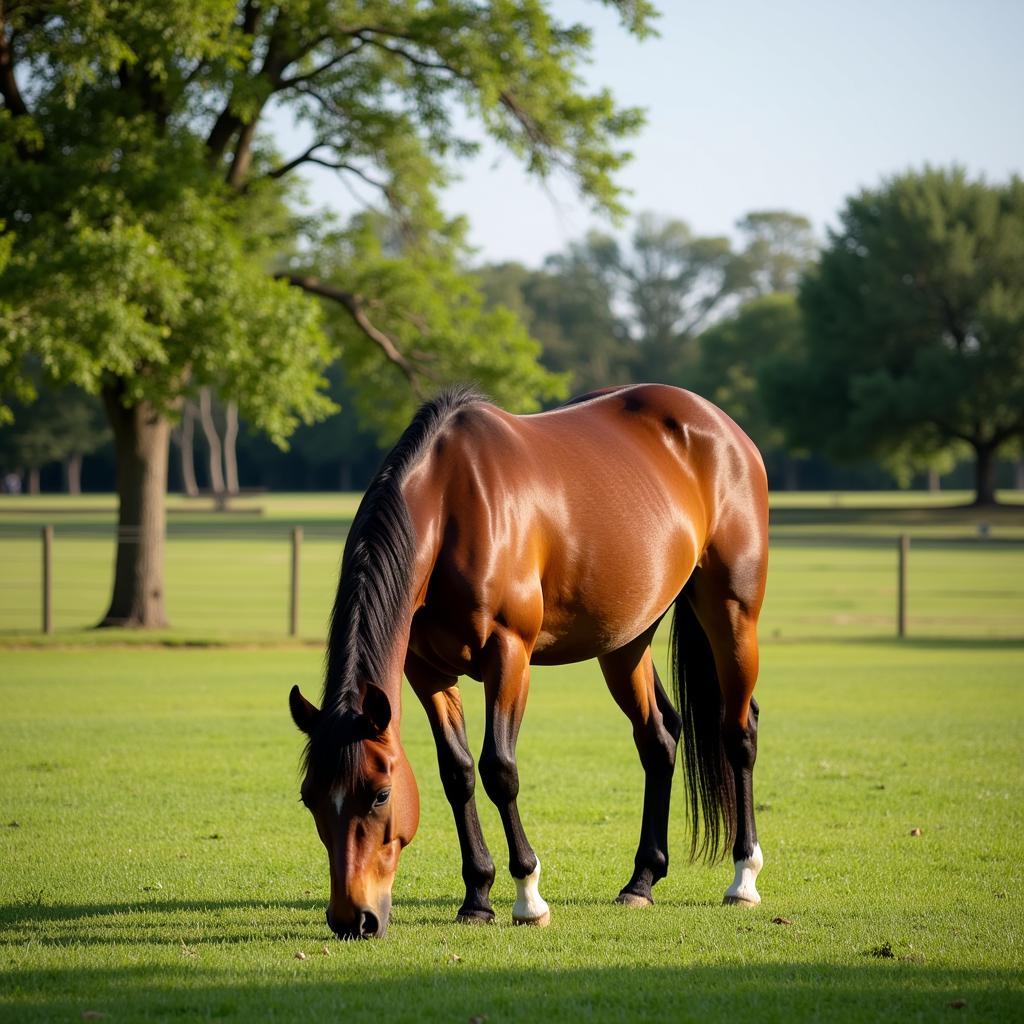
[[157, 864]]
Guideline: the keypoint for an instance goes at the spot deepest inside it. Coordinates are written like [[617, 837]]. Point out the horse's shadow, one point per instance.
[[172, 921]]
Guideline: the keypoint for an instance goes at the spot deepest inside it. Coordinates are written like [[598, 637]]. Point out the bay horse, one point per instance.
[[488, 542]]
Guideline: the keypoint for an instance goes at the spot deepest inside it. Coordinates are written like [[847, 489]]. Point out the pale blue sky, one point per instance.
[[751, 105]]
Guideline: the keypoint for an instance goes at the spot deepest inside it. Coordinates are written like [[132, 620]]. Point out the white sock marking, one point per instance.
[[529, 904], [743, 886]]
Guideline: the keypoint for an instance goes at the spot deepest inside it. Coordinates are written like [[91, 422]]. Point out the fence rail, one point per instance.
[[278, 580]]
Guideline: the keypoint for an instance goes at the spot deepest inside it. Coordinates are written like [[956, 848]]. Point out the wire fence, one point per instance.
[[238, 583]]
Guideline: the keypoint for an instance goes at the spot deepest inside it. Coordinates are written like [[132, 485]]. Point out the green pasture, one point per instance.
[[158, 866]]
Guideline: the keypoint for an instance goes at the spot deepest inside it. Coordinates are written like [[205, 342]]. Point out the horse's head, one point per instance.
[[362, 794]]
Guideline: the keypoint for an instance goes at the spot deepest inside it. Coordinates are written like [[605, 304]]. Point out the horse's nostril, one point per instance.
[[368, 924]]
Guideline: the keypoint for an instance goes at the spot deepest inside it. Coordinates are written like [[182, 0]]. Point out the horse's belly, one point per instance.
[[611, 608], [583, 636]]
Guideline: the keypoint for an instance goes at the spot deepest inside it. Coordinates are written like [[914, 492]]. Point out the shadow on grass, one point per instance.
[[164, 922], [424, 982], [355, 989]]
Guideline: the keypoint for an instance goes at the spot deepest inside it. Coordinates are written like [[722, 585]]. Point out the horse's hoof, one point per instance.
[[475, 917], [537, 922], [633, 899], [739, 901]]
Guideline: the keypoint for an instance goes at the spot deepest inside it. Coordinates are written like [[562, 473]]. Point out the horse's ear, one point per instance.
[[376, 709], [303, 713]]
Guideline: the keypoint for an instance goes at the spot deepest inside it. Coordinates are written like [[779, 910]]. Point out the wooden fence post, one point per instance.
[[47, 579], [294, 605], [901, 600]]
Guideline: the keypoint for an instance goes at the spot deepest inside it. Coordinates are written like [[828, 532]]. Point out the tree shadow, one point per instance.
[[348, 985]]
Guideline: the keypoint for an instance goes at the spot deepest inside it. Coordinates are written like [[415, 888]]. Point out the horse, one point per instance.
[[489, 542]]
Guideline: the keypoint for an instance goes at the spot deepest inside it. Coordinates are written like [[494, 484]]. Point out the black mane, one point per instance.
[[373, 592]]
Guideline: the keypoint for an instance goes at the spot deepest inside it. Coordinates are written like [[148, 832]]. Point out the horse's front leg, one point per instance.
[[506, 672], [440, 697]]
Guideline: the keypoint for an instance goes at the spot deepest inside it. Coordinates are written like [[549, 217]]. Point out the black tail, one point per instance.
[[710, 791]]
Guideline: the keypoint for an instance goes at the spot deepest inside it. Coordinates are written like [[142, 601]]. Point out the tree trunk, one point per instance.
[[212, 441], [73, 473], [141, 443], [230, 455], [934, 480], [186, 433], [33, 480], [984, 474]]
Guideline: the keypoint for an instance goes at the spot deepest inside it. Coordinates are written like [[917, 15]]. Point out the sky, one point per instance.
[[751, 105]]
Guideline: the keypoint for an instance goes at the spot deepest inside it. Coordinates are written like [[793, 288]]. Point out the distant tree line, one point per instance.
[[893, 350]]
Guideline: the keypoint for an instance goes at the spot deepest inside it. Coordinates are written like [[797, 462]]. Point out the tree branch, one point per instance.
[[287, 83], [534, 132], [352, 304], [306, 156], [243, 154], [950, 431], [309, 157], [401, 51]]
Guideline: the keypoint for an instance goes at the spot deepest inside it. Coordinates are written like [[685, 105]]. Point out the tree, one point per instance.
[[670, 282], [778, 248], [735, 356], [149, 213], [567, 307], [915, 326], [735, 353], [61, 425], [430, 323], [340, 452]]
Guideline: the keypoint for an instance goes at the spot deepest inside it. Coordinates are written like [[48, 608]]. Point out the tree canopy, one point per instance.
[[914, 320], [569, 308], [151, 228], [736, 354]]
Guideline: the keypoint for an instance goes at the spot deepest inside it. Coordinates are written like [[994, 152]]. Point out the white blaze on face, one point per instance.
[[743, 886], [529, 904], [338, 799]]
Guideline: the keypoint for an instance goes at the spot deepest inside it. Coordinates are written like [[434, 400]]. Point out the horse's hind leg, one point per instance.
[[727, 601], [443, 705], [633, 682]]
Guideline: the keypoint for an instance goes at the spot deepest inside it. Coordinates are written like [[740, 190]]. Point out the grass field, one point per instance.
[[157, 864]]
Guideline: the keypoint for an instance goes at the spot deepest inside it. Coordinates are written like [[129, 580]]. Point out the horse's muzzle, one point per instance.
[[368, 924]]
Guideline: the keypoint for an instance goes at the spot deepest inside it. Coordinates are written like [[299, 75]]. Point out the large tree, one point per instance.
[[914, 321], [154, 249]]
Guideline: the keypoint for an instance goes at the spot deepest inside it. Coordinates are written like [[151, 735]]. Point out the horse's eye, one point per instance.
[[382, 798]]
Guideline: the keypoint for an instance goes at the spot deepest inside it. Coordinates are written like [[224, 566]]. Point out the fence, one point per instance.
[[262, 581]]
